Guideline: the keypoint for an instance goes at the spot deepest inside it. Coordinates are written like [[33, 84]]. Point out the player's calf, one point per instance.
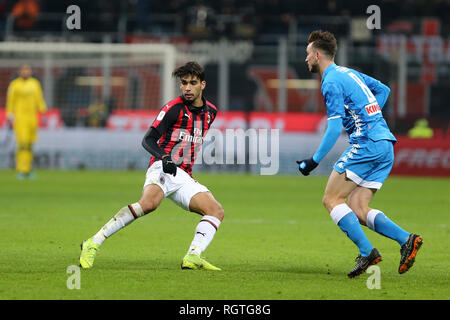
[[213, 214], [380, 223], [347, 221], [121, 219]]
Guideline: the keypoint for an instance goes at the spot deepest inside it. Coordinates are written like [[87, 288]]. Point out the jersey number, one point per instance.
[[364, 88]]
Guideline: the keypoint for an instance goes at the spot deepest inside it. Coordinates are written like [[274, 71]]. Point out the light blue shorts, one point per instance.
[[367, 164]]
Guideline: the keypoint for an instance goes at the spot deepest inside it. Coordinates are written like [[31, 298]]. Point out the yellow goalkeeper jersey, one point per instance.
[[24, 100]]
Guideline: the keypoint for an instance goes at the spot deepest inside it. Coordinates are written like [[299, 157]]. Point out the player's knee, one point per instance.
[[329, 201], [148, 205], [216, 211], [221, 213]]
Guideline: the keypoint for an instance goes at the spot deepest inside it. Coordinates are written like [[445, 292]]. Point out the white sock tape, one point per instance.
[[339, 212], [370, 221]]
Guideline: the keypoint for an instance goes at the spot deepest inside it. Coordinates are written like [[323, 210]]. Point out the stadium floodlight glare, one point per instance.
[[50, 54]]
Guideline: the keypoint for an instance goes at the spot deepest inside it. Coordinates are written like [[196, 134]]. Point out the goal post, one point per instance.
[[135, 76]]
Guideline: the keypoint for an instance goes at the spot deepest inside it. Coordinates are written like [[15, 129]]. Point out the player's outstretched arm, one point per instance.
[[329, 140], [334, 100]]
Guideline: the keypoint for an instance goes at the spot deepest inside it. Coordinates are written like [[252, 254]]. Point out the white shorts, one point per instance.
[[180, 189]]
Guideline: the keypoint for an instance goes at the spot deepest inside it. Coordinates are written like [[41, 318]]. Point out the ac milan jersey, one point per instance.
[[182, 128]]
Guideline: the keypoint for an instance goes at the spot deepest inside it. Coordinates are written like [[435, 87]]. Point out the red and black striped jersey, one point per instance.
[[182, 128]]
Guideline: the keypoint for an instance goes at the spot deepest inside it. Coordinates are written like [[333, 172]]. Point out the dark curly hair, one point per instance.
[[191, 68], [325, 41]]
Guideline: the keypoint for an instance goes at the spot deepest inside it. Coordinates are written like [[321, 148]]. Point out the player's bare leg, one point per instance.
[[359, 200], [152, 196], [205, 204], [377, 221], [336, 192]]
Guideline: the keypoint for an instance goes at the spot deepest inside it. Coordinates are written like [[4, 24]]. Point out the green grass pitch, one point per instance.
[[276, 241]]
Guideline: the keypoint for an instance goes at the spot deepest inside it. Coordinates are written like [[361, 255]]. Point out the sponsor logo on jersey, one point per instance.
[[373, 109], [184, 135]]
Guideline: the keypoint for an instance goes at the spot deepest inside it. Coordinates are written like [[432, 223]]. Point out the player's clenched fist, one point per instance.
[[306, 166], [169, 166]]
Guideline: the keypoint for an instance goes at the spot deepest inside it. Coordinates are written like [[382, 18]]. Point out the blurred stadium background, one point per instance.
[[105, 82]]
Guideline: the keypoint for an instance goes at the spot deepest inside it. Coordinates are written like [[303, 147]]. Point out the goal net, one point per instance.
[[85, 85], [75, 76]]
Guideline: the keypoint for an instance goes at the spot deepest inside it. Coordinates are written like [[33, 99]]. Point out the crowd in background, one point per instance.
[[242, 18]]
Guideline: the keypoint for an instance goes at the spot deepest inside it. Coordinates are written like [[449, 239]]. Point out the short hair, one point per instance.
[[191, 68], [325, 41]]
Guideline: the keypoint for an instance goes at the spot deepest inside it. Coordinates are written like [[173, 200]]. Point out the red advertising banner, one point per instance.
[[286, 122], [422, 157], [139, 120]]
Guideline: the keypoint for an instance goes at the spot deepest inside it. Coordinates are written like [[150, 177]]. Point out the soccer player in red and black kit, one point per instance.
[[174, 140]]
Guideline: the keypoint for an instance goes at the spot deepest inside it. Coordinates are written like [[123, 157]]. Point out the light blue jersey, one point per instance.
[[354, 100], [358, 100]]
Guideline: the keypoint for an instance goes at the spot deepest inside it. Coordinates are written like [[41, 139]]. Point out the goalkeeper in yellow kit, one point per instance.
[[24, 101]]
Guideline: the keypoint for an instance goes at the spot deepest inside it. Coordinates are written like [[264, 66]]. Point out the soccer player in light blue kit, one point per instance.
[[354, 100]]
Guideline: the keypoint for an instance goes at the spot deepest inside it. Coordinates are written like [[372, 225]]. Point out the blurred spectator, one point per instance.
[[25, 13], [3, 15], [247, 26], [421, 130], [144, 18], [200, 20]]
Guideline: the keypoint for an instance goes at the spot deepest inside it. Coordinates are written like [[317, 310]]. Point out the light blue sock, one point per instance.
[[378, 222], [348, 222]]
